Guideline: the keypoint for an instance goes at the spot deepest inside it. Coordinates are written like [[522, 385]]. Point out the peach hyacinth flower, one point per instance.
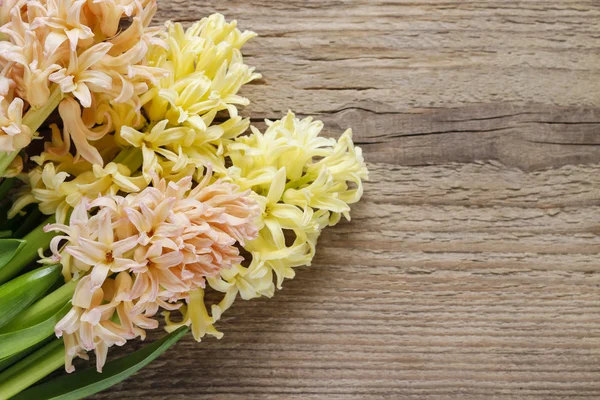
[[73, 52], [144, 252], [14, 135]]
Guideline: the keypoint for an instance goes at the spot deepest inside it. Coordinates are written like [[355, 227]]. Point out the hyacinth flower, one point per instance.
[[303, 183], [57, 51], [144, 252], [157, 137], [129, 140], [206, 72]]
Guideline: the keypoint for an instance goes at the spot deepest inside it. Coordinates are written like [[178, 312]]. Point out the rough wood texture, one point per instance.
[[470, 270]]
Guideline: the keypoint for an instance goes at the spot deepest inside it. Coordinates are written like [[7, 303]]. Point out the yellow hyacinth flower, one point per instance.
[[205, 72], [57, 192], [319, 171], [302, 183]]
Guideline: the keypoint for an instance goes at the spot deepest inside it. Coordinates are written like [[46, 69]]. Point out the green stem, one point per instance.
[[299, 182], [6, 159], [8, 362], [34, 118], [43, 308], [32, 219], [35, 240], [131, 157], [31, 369], [5, 187]]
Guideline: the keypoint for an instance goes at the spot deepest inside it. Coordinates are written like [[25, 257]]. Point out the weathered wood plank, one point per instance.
[[431, 82], [467, 281], [529, 137]]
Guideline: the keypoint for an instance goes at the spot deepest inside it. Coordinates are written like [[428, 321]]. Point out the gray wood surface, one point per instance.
[[470, 269]]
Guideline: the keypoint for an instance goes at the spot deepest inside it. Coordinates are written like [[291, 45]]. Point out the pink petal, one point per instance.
[[83, 256], [105, 229], [123, 246], [99, 274], [136, 218], [168, 260]]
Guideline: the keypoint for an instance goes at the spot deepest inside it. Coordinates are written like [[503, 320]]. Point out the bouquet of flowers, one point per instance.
[[130, 186]]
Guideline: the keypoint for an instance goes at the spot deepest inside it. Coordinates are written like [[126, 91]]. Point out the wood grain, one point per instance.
[[470, 270]]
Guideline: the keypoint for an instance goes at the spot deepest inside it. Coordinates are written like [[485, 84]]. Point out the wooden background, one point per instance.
[[470, 269]]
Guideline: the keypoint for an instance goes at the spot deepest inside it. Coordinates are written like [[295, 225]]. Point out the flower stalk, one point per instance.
[[5, 187], [34, 118], [43, 308], [131, 157], [31, 369], [34, 240]]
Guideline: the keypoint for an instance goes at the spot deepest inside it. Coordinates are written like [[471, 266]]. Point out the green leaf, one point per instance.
[[33, 219], [8, 361], [19, 293], [17, 341], [42, 309], [34, 240], [32, 368], [85, 383], [5, 186], [9, 248]]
